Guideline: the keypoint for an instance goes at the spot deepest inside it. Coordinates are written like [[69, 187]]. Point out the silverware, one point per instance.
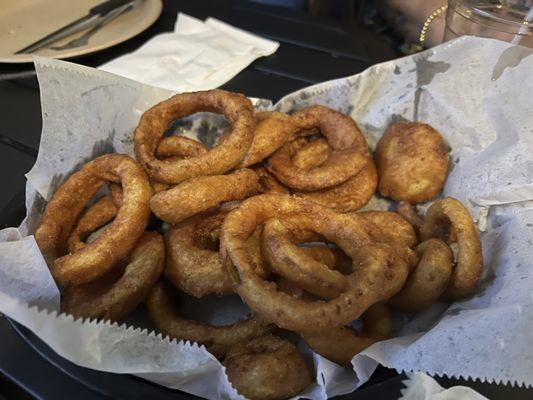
[[83, 39], [93, 18]]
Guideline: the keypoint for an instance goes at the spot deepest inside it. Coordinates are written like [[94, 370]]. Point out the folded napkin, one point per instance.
[[420, 386], [197, 55]]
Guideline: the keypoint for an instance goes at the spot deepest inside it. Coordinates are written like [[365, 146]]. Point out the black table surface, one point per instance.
[[312, 50]]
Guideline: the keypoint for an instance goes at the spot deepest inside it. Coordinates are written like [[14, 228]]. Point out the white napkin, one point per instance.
[[198, 55], [420, 386]]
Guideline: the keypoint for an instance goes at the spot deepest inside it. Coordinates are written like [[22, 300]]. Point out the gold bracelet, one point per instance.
[[429, 20]]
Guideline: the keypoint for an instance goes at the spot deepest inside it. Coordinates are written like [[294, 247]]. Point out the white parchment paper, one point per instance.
[[420, 386], [476, 92]]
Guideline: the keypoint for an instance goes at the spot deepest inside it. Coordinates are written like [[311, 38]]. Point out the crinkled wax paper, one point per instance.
[[476, 92]]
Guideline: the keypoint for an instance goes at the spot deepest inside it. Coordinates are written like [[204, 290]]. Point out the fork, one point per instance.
[[84, 39]]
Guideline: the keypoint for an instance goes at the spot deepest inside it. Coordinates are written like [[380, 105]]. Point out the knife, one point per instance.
[[95, 15]]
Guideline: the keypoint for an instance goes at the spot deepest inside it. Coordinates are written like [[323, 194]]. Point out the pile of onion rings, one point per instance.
[[271, 214]]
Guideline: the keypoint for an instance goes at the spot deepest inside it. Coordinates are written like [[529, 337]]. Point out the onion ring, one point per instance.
[[313, 245], [340, 345], [380, 274], [351, 195], [267, 182], [115, 191], [179, 146], [405, 209], [296, 264], [118, 300], [348, 156], [163, 312], [116, 242], [412, 162], [193, 263], [322, 254], [200, 194], [308, 155], [386, 226], [428, 280], [272, 130], [449, 215], [267, 368], [101, 212], [236, 108], [171, 148]]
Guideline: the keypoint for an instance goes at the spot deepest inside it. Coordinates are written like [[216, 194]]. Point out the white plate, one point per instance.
[[23, 22]]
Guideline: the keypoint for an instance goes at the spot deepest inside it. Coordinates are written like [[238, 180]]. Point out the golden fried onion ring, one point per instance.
[[351, 195], [285, 258], [99, 214], [202, 193], [267, 368], [193, 263], [340, 345], [118, 300], [309, 154], [267, 182], [428, 280], [444, 218], [116, 241], [406, 210], [170, 148], [381, 272], [387, 226], [179, 147], [272, 130], [236, 108], [322, 254], [348, 156], [163, 311]]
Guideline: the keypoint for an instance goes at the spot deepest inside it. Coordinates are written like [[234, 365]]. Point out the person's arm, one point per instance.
[[408, 17]]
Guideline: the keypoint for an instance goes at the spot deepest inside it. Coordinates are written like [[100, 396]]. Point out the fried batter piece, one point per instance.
[[412, 162], [267, 368]]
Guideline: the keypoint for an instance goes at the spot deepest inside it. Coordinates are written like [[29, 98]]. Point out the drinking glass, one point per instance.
[[507, 20]]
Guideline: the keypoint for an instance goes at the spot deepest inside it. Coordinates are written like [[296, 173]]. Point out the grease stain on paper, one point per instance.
[[509, 58], [425, 72], [36, 210]]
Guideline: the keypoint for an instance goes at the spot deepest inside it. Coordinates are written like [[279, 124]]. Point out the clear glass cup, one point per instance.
[[510, 21]]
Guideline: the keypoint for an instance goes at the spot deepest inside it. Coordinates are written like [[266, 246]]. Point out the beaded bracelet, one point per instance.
[[427, 23]]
